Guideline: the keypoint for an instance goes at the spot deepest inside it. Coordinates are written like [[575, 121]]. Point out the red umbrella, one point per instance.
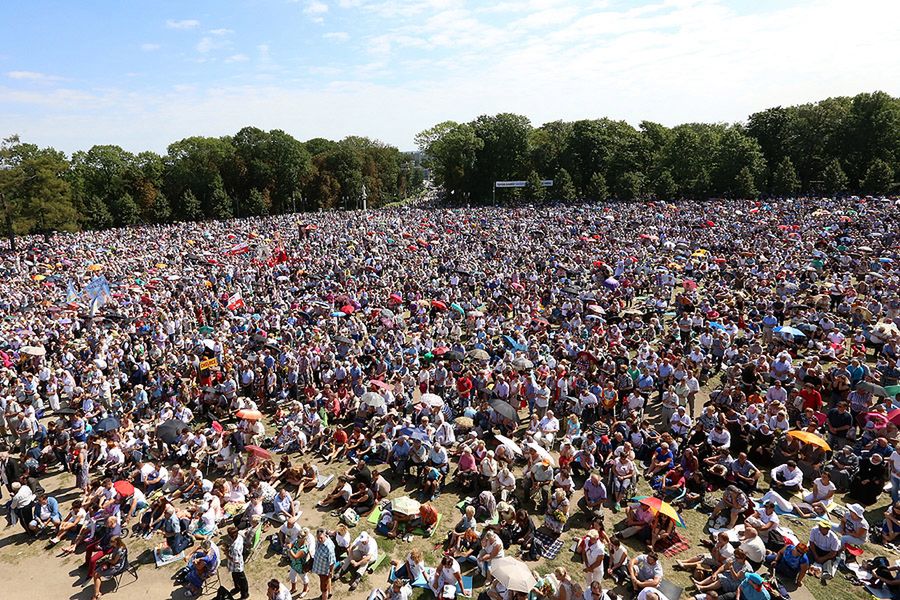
[[438, 305], [894, 416], [348, 309], [395, 299], [217, 427], [124, 488], [440, 350], [257, 451], [381, 384], [249, 415]]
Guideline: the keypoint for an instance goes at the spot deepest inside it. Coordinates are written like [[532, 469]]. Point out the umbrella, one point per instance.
[[438, 305], [513, 574], [894, 416], [454, 355], [887, 329], [456, 307], [170, 430], [348, 309], [809, 438], [372, 399], [257, 451], [790, 331], [381, 385], [95, 267], [107, 424], [542, 452], [33, 350], [522, 364], [249, 415], [611, 283], [505, 409], [659, 506], [342, 339], [513, 344], [432, 400], [892, 390], [206, 330], [508, 443], [395, 299], [210, 344], [872, 388], [478, 354], [716, 325], [405, 505], [124, 488]]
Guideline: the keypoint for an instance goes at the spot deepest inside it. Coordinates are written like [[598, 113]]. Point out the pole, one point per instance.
[[494, 194]]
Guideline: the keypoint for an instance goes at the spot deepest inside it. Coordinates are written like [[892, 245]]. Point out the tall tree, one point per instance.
[[534, 191], [596, 188], [785, 182], [879, 178], [834, 179], [564, 186], [664, 187], [745, 184]]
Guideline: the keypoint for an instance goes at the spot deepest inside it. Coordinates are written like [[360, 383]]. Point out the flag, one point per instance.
[[241, 248], [71, 293], [235, 302], [98, 290], [278, 256]]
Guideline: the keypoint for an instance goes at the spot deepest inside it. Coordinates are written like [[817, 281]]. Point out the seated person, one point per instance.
[[787, 477], [339, 495], [791, 562], [719, 552], [645, 571], [201, 565], [733, 504], [362, 553]]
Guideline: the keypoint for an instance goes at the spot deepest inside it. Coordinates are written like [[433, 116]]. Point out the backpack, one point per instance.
[[223, 594], [350, 517]]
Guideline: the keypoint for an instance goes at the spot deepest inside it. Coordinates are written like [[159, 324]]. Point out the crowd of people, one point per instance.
[[552, 368]]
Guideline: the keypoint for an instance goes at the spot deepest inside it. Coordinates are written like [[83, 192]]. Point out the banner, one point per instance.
[[241, 248], [235, 302], [209, 363], [98, 290]]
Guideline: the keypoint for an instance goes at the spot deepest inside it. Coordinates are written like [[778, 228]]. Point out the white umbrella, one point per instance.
[[508, 443], [209, 344], [372, 399], [33, 350], [542, 452], [405, 505], [432, 400], [513, 574]]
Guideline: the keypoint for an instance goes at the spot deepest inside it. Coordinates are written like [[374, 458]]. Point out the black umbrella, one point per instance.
[[505, 409], [454, 355], [107, 424], [873, 388], [341, 339], [170, 430], [65, 411]]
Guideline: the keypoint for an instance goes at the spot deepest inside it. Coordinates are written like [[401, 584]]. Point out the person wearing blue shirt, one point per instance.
[[752, 588], [791, 562]]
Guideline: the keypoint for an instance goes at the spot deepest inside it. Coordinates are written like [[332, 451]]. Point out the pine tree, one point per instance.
[[879, 178], [565, 188], [596, 189], [190, 207], [834, 179], [744, 184], [785, 182], [664, 187]]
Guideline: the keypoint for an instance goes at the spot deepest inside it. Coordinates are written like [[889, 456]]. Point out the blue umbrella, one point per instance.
[[716, 325], [513, 344], [790, 331]]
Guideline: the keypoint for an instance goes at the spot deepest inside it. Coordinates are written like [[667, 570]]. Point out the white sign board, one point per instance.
[[521, 184]]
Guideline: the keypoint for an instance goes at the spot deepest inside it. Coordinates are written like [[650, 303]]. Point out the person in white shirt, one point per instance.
[[362, 553], [787, 477], [548, 427], [681, 422], [594, 553]]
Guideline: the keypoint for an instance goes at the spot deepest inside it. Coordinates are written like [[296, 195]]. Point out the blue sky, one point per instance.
[[145, 73]]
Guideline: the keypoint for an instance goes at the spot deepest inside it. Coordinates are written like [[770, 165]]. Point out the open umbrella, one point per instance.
[[438, 305], [522, 364], [505, 409], [513, 574], [457, 308], [95, 267], [660, 506], [513, 344], [405, 505], [33, 350], [124, 488], [872, 388], [508, 443], [432, 400], [478, 354], [790, 331], [892, 390], [381, 385], [342, 339], [809, 438], [454, 355], [542, 452], [258, 452], [885, 329], [249, 415], [206, 330], [372, 399], [107, 424], [170, 430], [894, 416]]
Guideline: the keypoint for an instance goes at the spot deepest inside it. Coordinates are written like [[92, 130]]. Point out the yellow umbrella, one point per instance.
[[663, 507], [160, 265], [39, 278], [809, 438], [95, 267]]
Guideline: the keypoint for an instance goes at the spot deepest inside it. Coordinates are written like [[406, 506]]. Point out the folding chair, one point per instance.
[[255, 542], [128, 568]]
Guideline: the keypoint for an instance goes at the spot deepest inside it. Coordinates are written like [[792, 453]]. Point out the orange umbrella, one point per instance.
[[249, 415], [809, 438]]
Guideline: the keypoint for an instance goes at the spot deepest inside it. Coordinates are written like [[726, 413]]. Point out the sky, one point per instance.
[[145, 73]]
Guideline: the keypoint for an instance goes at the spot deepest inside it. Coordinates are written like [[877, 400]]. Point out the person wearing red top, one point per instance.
[[464, 389], [811, 398]]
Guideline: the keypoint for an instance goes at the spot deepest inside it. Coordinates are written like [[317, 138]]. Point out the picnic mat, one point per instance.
[[553, 544], [373, 517], [165, 558], [420, 531], [323, 481], [675, 544]]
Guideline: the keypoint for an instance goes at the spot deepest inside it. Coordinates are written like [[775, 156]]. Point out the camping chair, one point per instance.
[[255, 542], [126, 568]]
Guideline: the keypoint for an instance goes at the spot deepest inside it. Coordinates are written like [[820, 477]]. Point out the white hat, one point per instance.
[[857, 510]]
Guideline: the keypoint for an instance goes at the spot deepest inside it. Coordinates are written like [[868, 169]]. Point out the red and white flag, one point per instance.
[[235, 302], [241, 248]]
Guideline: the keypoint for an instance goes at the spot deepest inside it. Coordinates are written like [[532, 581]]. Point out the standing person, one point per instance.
[[323, 562], [235, 563]]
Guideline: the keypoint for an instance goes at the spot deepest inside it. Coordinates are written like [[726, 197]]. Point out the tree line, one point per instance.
[[838, 146], [251, 173]]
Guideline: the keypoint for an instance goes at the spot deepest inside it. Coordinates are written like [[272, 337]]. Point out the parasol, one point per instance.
[[513, 574], [542, 452], [508, 443], [478, 354], [249, 415], [372, 399], [522, 364], [432, 400], [809, 438], [258, 452], [170, 430], [872, 388], [505, 409], [405, 505], [33, 350], [107, 424], [124, 488], [658, 505]]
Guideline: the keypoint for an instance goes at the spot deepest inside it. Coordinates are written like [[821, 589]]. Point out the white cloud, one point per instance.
[[316, 10], [183, 24], [149, 47], [221, 31], [337, 36], [32, 76], [237, 58]]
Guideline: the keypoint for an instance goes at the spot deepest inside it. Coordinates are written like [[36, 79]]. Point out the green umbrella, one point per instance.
[[892, 390], [206, 330]]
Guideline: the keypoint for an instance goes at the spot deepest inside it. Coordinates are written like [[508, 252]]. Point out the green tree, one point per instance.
[[631, 185], [745, 184], [596, 189], [564, 186], [125, 211], [190, 207], [534, 191], [96, 214], [257, 204], [785, 182], [879, 178], [219, 206], [665, 187], [834, 179]]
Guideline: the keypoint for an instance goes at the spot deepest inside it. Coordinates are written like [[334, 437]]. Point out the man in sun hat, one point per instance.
[[824, 546]]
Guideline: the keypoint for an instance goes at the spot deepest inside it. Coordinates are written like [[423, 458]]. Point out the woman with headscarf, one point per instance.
[[869, 481]]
